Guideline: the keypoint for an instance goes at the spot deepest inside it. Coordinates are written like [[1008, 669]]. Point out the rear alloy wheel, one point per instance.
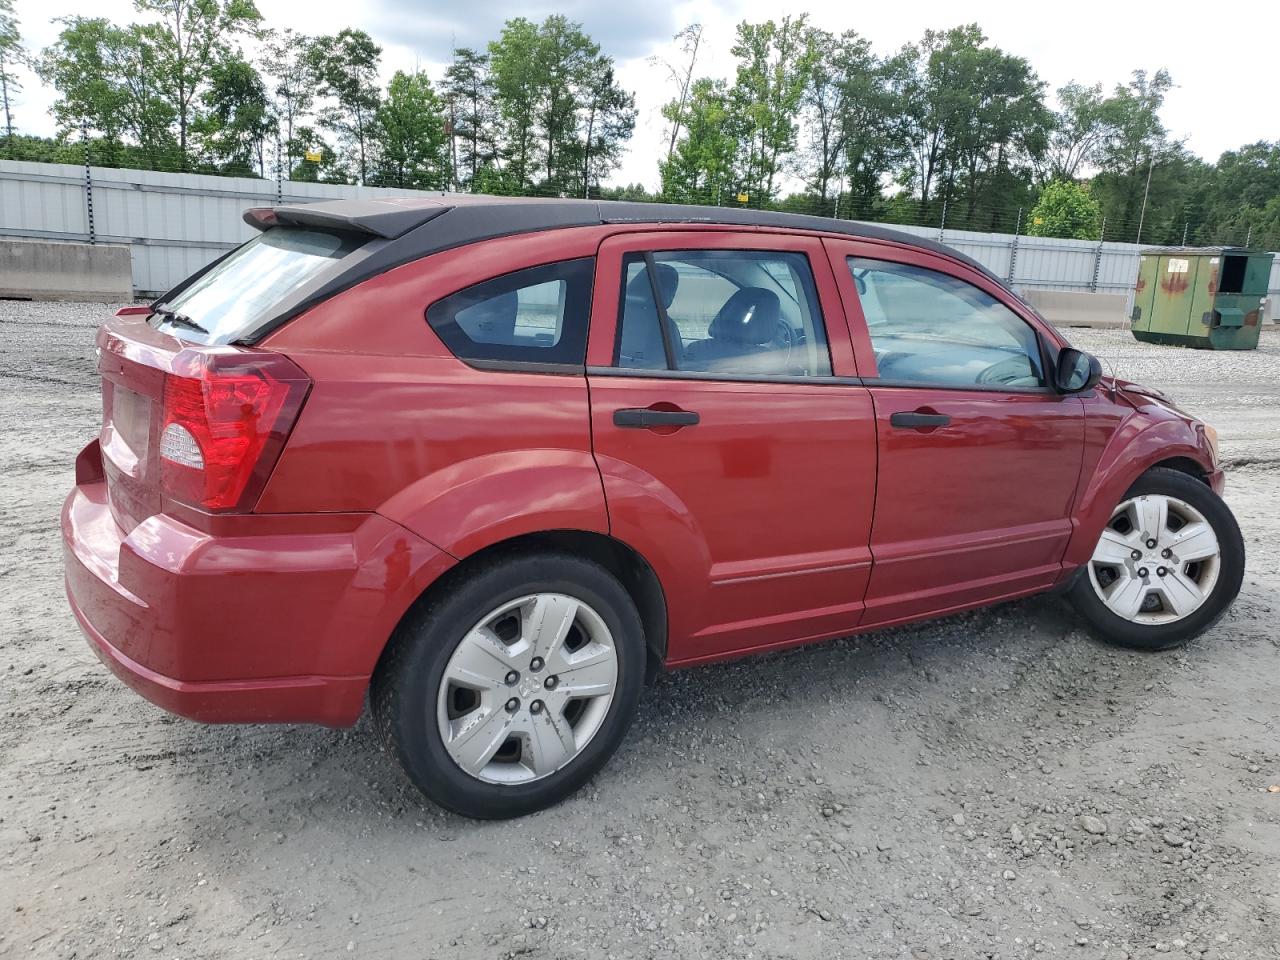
[[527, 688], [513, 684], [1166, 567]]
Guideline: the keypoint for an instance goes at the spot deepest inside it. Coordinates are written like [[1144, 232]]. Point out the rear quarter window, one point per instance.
[[538, 315]]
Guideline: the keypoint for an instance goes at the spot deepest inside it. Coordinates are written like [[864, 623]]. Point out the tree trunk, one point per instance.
[[8, 116]]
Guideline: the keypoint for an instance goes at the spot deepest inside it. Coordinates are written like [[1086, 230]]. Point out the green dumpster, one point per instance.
[[1205, 297]]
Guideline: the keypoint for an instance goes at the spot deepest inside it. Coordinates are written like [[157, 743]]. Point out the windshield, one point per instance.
[[235, 296]]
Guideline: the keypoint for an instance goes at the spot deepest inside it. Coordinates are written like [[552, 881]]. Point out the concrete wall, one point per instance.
[[1074, 309], [175, 222], [48, 270]]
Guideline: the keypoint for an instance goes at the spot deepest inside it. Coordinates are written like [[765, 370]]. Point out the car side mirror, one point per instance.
[[1077, 371]]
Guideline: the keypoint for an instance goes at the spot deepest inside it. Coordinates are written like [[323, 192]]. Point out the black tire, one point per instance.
[[1113, 628], [406, 685]]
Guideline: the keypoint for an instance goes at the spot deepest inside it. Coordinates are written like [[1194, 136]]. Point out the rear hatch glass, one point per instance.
[[245, 289]]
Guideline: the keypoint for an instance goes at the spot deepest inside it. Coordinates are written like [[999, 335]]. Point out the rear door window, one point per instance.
[[538, 315], [729, 313]]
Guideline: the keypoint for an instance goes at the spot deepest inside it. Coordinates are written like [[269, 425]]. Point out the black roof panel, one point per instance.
[[404, 229], [457, 219]]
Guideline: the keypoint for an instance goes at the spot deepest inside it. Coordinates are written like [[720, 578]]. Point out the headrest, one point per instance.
[[492, 320], [750, 316], [668, 281]]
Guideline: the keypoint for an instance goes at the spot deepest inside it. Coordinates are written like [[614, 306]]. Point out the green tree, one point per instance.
[[975, 119], [514, 60], [682, 75], [106, 81], [346, 66], [473, 116], [412, 147], [775, 61], [609, 118], [701, 170], [330, 168], [188, 41], [851, 116], [12, 55], [1065, 209], [1238, 198], [564, 118], [1079, 131], [236, 120], [1139, 165], [288, 63]]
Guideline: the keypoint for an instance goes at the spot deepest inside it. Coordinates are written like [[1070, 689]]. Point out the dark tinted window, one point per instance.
[[538, 315], [930, 328], [729, 313]]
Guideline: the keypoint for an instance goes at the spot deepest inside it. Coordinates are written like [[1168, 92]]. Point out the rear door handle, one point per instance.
[[644, 418], [917, 420]]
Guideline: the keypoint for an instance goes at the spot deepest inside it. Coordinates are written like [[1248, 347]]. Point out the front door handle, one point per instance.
[[645, 418], [918, 419]]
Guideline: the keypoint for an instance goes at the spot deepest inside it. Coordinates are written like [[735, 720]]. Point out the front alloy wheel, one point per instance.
[[1157, 560], [1167, 565]]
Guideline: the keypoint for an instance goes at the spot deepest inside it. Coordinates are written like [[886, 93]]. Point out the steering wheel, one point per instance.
[[785, 336], [1009, 371]]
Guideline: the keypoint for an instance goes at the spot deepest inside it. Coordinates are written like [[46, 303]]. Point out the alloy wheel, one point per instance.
[[527, 688], [1157, 560]]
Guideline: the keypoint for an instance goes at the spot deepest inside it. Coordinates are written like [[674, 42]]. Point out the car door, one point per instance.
[[735, 443], [979, 456]]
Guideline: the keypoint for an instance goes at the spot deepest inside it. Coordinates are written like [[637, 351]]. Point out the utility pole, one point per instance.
[[1143, 215]]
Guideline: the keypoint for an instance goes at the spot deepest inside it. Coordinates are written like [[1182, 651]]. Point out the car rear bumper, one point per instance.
[[278, 627]]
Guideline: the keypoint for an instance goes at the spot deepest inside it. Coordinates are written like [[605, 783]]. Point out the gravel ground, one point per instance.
[[990, 785]]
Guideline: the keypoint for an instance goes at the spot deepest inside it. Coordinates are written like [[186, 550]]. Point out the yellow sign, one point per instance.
[[743, 198], [1038, 220], [315, 156]]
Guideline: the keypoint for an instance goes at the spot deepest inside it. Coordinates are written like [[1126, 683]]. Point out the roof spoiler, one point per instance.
[[387, 219]]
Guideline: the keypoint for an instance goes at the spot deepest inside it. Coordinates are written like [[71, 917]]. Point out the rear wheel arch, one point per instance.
[[625, 563]]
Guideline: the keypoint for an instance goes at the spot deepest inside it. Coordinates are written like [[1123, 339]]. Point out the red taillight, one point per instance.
[[223, 428]]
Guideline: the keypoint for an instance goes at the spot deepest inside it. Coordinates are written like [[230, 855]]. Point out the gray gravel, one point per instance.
[[994, 785]]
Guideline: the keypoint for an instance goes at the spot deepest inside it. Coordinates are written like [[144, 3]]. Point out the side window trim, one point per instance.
[[644, 374]]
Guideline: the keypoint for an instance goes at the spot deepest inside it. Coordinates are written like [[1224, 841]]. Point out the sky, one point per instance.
[[1214, 60]]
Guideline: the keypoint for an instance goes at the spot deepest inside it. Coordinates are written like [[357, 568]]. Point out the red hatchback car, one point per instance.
[[493, 463]]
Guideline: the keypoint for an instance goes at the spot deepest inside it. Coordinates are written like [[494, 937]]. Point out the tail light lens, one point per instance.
[[224, 425]]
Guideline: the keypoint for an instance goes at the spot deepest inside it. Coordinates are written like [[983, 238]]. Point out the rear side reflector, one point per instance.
[[224, 426]]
